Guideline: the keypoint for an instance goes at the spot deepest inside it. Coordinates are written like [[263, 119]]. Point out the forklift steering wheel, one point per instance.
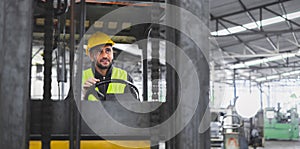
[[99, 95]]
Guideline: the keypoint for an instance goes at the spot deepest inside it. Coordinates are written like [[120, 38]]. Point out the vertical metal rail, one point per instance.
[[269, 97], [260, 95], [260, 19], [46, 106], [80, 52], [56, 43], [155, 68], [64, 47], [48, 38], [234, 88], [61, 52], [171, 76], [145, 69], [71, 95]]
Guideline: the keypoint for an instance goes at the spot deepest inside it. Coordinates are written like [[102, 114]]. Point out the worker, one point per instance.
[[100, 51]]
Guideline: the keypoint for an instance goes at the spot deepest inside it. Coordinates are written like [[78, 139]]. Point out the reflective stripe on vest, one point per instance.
[[113, 88], [117, 88]]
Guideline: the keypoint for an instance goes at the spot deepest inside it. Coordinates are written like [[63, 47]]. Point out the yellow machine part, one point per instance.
[[35, 144], [95, 144]]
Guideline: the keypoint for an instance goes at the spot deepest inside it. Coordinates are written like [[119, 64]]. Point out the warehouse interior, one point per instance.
[[207, 74]]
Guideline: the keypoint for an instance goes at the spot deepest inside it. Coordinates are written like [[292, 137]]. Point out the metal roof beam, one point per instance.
[[268, 65], [279, 76], [263, 49], [255, 31], [292, 42], [272, 43], [228, 55], [277, 14], [274, 33], [233, 23], [241, 41], [288, 23], [250, 55], [248, 13], [237, 55], [236, 37], [249, 9], [270, 33]]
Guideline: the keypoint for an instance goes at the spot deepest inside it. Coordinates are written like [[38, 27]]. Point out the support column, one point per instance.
[[15, 54], [190, 137]]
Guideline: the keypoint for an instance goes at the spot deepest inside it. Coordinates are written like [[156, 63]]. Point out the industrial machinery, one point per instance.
[[231, 125], [216, 136], [281, 126], [227, 129], [254, 130]]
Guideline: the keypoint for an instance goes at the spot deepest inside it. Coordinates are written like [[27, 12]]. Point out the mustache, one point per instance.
[[104, 59]]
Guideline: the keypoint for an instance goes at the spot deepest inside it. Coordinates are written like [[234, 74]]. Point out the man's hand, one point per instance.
[[90, 82]]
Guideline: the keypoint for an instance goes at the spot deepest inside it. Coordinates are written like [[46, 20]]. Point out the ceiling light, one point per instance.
[[291, 73], [292, 15], [261, 79], [264, 60], [286, 74], [268, 78], [256, 24]]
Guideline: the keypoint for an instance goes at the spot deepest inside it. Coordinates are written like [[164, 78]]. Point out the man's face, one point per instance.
[[103, 56]]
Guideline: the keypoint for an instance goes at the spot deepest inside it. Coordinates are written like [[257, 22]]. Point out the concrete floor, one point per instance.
[[281, 145], [277, 145]]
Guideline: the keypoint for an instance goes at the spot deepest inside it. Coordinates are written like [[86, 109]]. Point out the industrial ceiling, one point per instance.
[[259, 40]]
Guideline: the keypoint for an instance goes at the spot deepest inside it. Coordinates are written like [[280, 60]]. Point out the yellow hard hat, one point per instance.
[[96, 39]]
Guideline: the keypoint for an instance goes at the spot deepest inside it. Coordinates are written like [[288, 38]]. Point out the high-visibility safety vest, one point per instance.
[[113, 88]]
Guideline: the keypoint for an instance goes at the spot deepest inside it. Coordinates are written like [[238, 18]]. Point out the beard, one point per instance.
[[99, 65]]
